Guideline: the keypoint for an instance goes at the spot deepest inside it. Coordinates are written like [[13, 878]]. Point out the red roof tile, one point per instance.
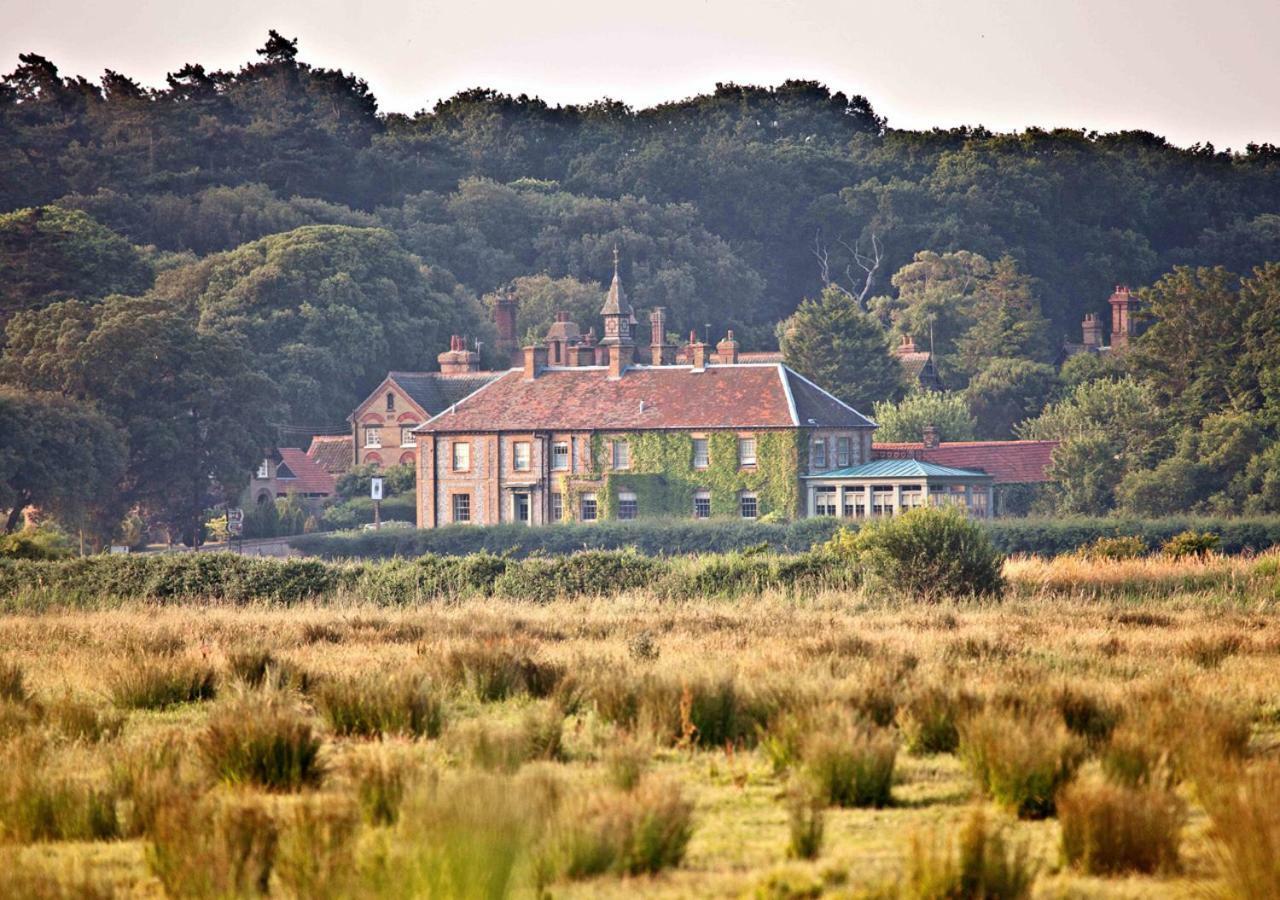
[[333, 453], [1010, 462], [647, 397], [308, 477]]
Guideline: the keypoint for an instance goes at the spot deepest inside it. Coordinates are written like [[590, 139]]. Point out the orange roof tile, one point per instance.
[[1010, 462]]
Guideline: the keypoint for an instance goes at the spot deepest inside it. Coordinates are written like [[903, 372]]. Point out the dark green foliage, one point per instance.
[[580, 574], [1190, 543], [929, 553], [396, 480], [358, 511], [1128, 546]]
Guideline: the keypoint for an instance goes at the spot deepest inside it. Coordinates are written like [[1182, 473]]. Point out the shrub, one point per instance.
[[1020, 761], [262, 741], [806, 821], [930, 553], [641, 832], [1245, 830], [373, 705], [1109, 829], [1126, 546], [1190, 544], [930, 719], [233, 856], [982, 866], [849, 763], [149, 682]]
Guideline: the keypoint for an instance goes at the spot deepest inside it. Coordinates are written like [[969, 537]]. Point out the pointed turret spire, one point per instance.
[[617, 313]]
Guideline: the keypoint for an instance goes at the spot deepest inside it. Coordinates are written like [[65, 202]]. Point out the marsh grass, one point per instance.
[[381, 704], [258, 667], [806, 820], [537, 735], [626, 759], [39, 804], [849, 762], [929, 719], [233, 857], [1245, 815], [1021, 761], [262, 740], [496, 670], [980, 864], [316, 852], [13, 682], [156, 682], [1109, 829]]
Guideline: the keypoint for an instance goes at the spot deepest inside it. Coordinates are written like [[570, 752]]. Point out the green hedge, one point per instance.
[[357, 512], [1045, 537]]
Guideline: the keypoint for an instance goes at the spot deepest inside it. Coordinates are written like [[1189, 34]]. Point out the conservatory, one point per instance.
[[887, 487]]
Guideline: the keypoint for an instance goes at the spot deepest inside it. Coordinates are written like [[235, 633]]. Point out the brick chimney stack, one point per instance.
[[1091, 328], [1124, 326], [906, 345], [586, 349], [504, 317], [697, 353], [535, 360], [621, 356], [727, 350], [931, 438], [458, 360], [660, 352]]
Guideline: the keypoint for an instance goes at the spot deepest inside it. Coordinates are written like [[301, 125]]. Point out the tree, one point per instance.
[[1006, 392], [906, 420], [60, 455], [840, 348], [196, 412]]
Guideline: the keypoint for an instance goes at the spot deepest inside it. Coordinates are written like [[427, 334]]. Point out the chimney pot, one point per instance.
[[930, 436], [535, 360]]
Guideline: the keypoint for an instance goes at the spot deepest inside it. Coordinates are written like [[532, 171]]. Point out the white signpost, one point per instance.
[[375, 494]]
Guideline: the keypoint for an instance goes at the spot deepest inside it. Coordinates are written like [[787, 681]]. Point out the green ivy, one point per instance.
[[663, 478]]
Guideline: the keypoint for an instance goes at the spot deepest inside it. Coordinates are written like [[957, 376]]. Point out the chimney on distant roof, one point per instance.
[[585, 351], [931, 437], [562, 337], [535, 360], [458, 360], [660, 352], [1124, 325], [621, 356], [1091, 331], [906, 345], [727, 350], [697, 353], [504, 317]]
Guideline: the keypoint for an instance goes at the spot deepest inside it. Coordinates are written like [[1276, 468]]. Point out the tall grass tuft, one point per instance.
[[930, 719], [233, 856], [381, 779], [257, 667], [316, 854], [1109, 829], [806, 820], [640, 832], [374, 705], [494, 671], [1243, 808], [1085, 715], [38, 805], [156, 682], [982, 866], [850, 763], [538, 735], [80, 720], [626, 760], [1021, 761], [262, 741], [13, 683]]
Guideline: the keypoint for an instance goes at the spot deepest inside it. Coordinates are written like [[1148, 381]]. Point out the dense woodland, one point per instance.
[[185, 268]]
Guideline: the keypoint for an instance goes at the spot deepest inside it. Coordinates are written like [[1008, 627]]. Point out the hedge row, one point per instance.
[[1044, 537], [225, 577]]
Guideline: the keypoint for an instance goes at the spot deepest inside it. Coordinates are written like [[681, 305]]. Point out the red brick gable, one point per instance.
[[646, 397], [1010, 462], [308, 477]]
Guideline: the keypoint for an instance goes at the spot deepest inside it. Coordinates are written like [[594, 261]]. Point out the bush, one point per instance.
[[640, 832], [264, 742], [929, 553], [1129, 546], [35, 543], [1190, 544], [375, 705], [849, 763], [1020, 761], [150, 682], [982, 866], [1110, 829]]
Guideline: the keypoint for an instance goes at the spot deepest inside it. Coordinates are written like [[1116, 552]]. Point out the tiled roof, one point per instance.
[[648, 397], [436, 392], [331, 452], [1011, 462], [900, 468], [308, 477]]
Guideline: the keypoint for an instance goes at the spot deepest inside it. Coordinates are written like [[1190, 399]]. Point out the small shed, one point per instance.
[[886, 487]]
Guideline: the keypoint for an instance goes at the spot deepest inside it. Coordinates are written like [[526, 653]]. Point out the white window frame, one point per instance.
[[559, 449], [465, 447], [453, 507], [826, 501], [516, 448], [373, 437], [743, 497], [702, 461], [632, 504], [406, 435], [818, 453], [621, 455], [699, 497], [557, 506], [844, 452], [582, 507], [264, 470], [745, 457]]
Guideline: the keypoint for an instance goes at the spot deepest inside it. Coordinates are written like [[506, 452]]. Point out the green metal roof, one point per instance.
[[900, 468]]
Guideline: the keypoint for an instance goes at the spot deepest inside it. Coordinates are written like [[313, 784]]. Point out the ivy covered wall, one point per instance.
[[663, 478]]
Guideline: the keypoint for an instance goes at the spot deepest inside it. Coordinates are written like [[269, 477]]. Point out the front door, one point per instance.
[[521, 502]]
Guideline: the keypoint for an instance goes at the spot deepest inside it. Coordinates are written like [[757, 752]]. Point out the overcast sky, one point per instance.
[[1191, 70]]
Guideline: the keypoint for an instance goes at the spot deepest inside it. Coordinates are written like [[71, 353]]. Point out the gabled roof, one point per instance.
[[1010, 462], [584, 398], [302, 473], [333, 453], [435, 391], [900, 468]]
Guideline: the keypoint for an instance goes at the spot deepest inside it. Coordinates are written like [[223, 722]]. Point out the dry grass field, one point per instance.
[[1109, 729]]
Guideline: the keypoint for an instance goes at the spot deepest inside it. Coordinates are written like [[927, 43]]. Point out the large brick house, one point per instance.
[[382, 426], [600, 436]]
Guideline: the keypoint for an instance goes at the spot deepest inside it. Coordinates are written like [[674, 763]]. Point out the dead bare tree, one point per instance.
[[869, 263]]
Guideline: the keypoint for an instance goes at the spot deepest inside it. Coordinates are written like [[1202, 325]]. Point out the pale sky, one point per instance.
[[1191, 70]]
